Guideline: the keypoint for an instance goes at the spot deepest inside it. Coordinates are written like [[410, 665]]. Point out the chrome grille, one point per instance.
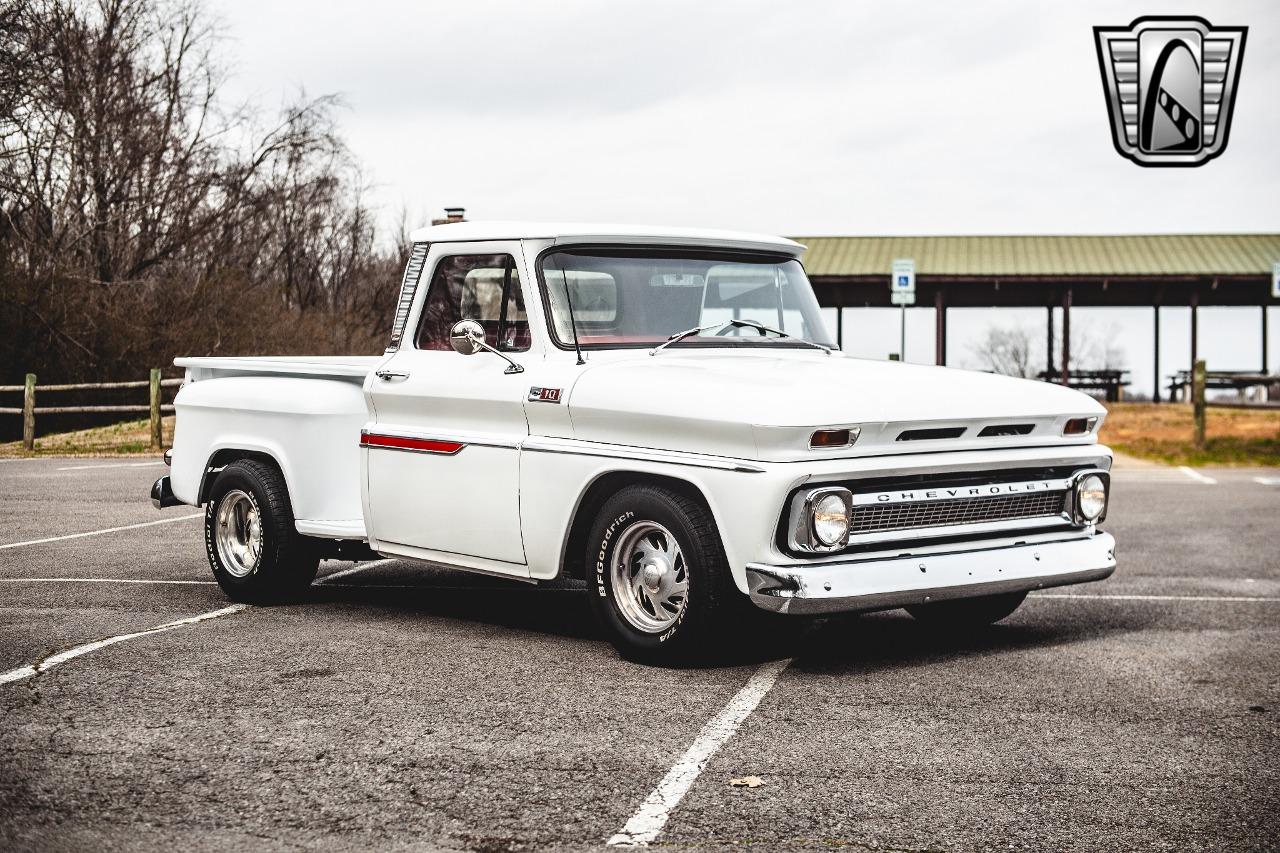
[[877, 518]]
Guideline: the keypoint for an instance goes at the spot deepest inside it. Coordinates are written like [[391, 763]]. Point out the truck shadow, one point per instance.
[[559, 610], [892, 639], [846, 643]]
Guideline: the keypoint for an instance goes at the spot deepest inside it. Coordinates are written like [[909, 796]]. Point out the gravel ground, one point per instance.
[[403, 708]]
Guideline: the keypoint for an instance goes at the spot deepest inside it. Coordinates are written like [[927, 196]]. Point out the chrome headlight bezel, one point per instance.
[[1078, 486], [804, 532]]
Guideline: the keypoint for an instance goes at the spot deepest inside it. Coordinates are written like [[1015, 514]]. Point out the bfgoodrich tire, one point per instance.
[[657, 577], [255, 553], [968, 612]]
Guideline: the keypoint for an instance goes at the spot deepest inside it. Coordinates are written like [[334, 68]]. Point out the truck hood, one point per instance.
[[766, 405]]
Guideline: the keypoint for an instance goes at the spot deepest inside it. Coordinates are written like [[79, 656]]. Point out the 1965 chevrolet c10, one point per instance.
[[658, 412]]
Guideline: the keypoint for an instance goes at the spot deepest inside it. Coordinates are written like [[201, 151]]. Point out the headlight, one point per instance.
[[1091, 497], [830, 519]]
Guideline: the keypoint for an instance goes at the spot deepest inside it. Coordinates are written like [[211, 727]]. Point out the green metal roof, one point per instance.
[[1166, 254]]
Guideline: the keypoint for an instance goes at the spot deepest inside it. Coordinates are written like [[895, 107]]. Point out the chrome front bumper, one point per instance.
[[881, 584]]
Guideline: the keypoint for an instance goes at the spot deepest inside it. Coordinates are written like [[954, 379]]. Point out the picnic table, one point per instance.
[[1111, 381]]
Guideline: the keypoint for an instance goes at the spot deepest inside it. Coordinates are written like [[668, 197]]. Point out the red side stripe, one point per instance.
[[422, 445]]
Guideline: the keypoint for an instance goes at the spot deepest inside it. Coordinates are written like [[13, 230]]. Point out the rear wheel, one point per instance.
[[253, 549], [660, 585], [968, 612]]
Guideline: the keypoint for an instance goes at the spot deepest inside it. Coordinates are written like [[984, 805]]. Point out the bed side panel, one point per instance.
[[310, 426]]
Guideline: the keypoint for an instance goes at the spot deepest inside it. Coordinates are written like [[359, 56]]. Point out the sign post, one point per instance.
[[902, 291]]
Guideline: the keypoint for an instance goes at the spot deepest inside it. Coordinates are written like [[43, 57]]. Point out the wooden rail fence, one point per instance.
[[155, 409], [1200, 379]]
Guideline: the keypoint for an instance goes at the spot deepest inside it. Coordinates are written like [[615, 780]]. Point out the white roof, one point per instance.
[[577, 232]]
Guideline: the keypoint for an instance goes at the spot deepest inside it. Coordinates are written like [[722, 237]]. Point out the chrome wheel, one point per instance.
[[649, 577], [238, 533]]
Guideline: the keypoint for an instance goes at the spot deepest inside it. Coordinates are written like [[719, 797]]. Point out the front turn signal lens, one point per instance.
[[827, 438], [1079, 426]]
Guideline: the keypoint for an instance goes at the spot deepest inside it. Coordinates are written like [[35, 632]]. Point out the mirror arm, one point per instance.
[[512, 366]]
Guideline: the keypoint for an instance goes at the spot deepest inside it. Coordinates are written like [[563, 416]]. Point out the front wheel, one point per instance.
[[256, 554], [968, 612], [659, 582]]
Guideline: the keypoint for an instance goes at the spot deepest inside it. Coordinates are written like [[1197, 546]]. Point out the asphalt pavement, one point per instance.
[[408, 708]]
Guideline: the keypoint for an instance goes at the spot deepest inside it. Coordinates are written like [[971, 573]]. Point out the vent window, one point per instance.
[[408, 287]]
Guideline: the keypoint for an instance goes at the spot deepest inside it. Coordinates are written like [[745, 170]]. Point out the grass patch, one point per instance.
[[130, 438], [1163, 433]]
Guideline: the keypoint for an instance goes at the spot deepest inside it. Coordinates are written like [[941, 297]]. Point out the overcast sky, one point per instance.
[[799, 118]]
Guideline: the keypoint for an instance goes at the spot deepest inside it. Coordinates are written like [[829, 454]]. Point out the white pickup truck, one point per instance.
[[658, 412]]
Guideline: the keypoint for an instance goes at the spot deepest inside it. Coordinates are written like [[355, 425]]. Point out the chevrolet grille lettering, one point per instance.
[[961, 492]]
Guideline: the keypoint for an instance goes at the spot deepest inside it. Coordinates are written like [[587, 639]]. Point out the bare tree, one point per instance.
[[1012, 350], [1096, 348], [130, 192], [1007, 350]]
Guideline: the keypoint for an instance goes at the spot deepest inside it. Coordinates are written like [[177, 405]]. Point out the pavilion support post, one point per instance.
[[1066, 337], [940, 329], [1155, 361], [1264, 338], [1048, 341], [840, 328], [1195, 329]]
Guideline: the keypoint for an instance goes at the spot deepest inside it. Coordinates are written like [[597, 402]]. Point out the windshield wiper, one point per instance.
[[680, 336], [762, 328], [748, 324]]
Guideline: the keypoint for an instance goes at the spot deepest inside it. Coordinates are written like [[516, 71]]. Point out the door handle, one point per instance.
[[388, 375]]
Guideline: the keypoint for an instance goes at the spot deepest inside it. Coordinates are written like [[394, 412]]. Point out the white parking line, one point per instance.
[[1155, 597], [1197, 476], [111, 465], [1267, 481], [99, 532], [102, 580], [75, 652], [645, 825]]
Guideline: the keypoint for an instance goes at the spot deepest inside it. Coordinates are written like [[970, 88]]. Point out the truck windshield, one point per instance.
[[642, 298]]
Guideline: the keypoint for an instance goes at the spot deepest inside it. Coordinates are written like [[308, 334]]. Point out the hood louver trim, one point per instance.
[[1006, 429], [930, 434]]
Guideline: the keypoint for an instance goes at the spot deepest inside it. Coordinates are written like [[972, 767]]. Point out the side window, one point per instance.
[[485, 288]]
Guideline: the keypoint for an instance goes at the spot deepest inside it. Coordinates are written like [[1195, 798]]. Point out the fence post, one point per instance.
[[1197, 401], [29, 413], [157, 426]]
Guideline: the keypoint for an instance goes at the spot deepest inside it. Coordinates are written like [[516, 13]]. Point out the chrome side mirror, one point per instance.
[[467, 338]]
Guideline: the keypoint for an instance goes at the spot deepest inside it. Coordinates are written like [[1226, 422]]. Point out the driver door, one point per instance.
[[442, 454]]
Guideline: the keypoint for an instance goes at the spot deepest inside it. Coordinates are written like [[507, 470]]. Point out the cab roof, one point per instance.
[[575, 232]]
